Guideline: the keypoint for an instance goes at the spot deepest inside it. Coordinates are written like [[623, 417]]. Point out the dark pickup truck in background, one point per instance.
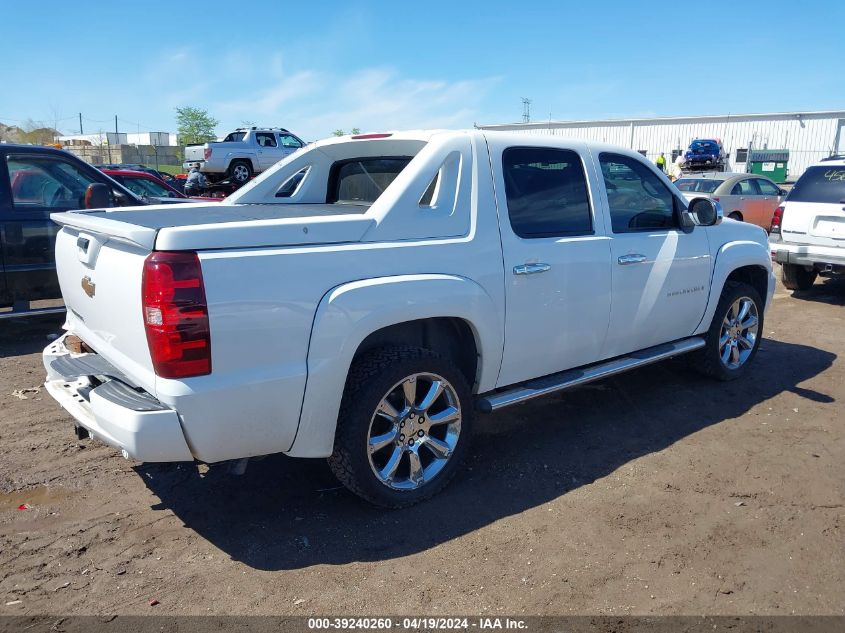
[[36, 181]]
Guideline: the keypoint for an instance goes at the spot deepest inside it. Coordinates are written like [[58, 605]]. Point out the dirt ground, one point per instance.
[[655, 492]]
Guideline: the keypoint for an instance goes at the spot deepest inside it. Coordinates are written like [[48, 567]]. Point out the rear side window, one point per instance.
[[363, 180], [820, 184], [546, 192], [745, 188]]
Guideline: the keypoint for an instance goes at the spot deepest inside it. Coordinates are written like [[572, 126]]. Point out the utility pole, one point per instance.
[[526, 110], [80, 123]]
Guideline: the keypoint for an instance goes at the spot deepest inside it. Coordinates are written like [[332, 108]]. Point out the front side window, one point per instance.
[[767, 188], [40, 182], [546, 192], [289, 140], [638, 199]]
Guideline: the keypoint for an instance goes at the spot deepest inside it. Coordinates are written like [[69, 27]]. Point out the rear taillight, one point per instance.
[[176, 315], [207, 153], [777, 219]]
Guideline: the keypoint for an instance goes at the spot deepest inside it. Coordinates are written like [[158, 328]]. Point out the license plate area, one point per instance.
[[830, 227]]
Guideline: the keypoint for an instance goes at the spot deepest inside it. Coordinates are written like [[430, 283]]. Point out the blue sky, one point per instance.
[[314, 67]]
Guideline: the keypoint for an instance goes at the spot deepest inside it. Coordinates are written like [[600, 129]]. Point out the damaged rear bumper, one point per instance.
[[102, 401]]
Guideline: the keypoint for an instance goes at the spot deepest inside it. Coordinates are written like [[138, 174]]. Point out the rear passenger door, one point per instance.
[[747, 200], [556, 256], [268, 149], [660, 270]]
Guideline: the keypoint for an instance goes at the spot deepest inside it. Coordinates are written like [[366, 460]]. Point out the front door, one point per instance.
[[556, 257], [660, 271]]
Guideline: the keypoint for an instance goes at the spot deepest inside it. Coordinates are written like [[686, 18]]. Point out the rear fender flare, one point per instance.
[[349, 313]]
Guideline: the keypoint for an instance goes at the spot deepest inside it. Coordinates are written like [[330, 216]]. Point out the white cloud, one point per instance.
[[314, 104]]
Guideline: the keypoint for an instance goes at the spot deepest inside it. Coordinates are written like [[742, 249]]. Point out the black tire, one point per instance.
[[371, 379], [795, 277], [708, 360], [735, 215], [240, 171]]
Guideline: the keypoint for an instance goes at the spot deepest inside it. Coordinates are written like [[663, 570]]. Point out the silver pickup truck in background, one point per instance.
[[242, 153]]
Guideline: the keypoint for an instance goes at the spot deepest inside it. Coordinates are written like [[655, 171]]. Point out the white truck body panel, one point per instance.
[[295, 284]]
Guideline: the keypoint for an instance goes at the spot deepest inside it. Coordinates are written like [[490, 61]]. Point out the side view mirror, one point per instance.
[[705, 212], [97, 196]]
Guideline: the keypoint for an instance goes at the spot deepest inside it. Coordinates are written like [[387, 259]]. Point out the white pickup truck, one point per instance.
[[365, 297], [241, 154]]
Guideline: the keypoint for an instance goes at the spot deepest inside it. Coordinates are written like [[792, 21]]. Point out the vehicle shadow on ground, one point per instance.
[[830, 291], [289, 513], [27, 335]]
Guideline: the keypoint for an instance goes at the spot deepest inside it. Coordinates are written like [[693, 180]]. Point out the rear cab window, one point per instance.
[[820, 183], [698, 185], [360, 181]]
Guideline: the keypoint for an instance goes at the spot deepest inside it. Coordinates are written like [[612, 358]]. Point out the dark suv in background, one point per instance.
[[35, 182]]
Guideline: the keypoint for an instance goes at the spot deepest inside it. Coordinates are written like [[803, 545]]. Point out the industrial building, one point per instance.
[[807, 136]]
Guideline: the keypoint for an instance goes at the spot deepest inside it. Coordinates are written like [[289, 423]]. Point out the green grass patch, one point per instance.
[[170, 169]]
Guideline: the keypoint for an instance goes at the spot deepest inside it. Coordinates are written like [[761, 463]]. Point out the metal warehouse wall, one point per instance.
[[809, 136]]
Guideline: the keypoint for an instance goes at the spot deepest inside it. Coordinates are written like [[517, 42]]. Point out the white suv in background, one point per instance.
[[808, 229]]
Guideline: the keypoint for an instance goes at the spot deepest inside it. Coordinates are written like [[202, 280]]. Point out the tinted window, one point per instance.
[[698, 185], [546, 192], [767, 188], [638, 199], [820, 184], [46, 183], [745, 188], [363, 180], [234, 137], [291, 185]]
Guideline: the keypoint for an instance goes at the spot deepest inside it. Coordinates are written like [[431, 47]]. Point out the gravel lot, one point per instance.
[[653, 492]]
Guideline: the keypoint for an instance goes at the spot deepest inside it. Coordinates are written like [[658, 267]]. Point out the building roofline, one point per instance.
[[536, 125]]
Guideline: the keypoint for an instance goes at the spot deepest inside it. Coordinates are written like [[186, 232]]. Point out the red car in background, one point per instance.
[[149, 187]]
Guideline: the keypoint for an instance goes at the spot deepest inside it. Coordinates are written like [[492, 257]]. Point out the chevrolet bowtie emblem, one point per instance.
[[89, 286]]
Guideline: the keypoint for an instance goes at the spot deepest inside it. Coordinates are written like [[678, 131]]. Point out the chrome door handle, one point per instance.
[[530, 269], [625, 260]]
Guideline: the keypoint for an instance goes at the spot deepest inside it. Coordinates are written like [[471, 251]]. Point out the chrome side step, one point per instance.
[[574, 377]]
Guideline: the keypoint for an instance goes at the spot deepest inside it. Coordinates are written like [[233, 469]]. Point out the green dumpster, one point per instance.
[[771, 163]]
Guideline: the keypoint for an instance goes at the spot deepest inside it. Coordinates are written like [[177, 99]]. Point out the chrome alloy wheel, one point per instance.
[[739, 333], [414, 431]]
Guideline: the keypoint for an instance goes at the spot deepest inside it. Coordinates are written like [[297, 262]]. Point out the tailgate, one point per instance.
[[822, 224], [100, 278], [194, 152]]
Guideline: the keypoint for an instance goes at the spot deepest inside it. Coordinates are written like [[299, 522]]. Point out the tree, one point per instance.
[[195, 125], [339, 132]]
